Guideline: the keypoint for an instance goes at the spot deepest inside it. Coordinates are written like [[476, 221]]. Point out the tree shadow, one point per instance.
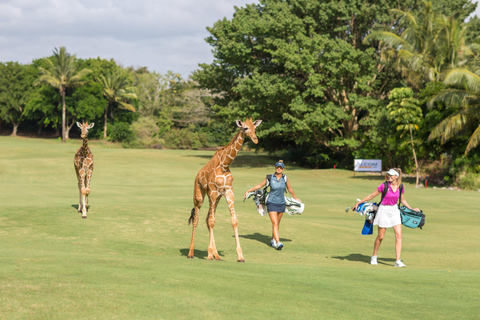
[[381, 178], [245, 160], [262, 238], [201, 254], [363, 258]]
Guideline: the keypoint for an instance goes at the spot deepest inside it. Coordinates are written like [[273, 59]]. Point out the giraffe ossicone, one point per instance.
[[216, 180], [83, 162]]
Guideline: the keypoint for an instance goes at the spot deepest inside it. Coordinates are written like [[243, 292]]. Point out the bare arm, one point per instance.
[[290, 190], [405, 203], [369, 197], [258, 186]]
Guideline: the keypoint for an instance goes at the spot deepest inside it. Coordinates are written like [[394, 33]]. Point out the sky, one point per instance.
[[159, 34]]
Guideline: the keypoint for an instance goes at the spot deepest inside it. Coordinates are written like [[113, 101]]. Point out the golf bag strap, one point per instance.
[[400, 195], [384, 193], [385, 190], [269, 179]]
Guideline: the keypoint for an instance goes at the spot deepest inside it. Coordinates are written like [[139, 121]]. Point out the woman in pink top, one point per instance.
[[388, 214]]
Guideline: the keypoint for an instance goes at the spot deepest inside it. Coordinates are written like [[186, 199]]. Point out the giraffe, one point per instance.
[[215, 180], [83, 162]]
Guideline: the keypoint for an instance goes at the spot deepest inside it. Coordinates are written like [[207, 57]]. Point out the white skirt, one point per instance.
[[387, 216]]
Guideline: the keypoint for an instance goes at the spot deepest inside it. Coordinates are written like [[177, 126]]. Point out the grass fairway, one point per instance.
[[127, 260]]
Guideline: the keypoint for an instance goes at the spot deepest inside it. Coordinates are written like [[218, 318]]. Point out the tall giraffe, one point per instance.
[[83, 162], [215, 180]]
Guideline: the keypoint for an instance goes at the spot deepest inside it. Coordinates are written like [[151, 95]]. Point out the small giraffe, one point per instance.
[[215, 179], [83, 162]]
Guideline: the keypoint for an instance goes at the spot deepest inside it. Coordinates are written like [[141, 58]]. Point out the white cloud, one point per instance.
[[162, 35]]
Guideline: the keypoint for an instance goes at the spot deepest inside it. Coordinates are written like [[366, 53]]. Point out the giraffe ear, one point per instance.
[[79, 124], [239, 123], [91, 125], [257, 123]]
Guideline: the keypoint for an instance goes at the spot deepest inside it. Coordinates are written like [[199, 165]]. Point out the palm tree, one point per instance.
[[464, 92], [407, 114], [61, 73], [428, 45], [118, 91]]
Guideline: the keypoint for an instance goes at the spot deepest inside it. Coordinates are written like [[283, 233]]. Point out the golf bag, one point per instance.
[[411, 219]]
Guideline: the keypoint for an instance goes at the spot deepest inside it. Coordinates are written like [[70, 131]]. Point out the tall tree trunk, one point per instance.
[[63, 116], [68, 128], [414, 156], [40, 127], [105, 123], [15, 128]]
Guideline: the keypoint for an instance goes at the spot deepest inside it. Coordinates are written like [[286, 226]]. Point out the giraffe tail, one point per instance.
[[192, 216]]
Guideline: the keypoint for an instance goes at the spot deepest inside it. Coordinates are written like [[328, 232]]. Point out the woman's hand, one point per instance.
[[416, 209], [298, 199], [354, 208]]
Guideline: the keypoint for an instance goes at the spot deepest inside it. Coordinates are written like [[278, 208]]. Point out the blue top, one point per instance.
[[277, 189]]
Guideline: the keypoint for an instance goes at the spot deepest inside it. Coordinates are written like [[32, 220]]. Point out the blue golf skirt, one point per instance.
[[273, 207]]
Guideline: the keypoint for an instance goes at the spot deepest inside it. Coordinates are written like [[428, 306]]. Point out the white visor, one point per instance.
[[392, 172]]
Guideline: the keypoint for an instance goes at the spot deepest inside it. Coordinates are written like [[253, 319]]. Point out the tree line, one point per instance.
[[331, 80], [338, 80], [133, 106]]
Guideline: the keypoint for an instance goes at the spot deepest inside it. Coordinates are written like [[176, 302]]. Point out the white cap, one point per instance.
[[392, 172]]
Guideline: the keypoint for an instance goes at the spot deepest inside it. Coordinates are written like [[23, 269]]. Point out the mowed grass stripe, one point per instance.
[[128, 258]]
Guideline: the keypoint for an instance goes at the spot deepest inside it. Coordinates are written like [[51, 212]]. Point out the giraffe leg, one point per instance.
[[79, 190], [213, 202], [229, 195], [87, 185], [198, 196], [83, 193]]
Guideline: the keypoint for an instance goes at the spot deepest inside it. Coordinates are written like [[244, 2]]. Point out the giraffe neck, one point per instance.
[[231, 150], [85, 147]]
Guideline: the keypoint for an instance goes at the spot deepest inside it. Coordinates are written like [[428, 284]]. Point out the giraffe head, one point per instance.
[[249, 128], [85, 127]]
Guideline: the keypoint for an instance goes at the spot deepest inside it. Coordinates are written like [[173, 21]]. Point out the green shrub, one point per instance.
[[470, 181], [120, 132], [145, 131], [184, 139]]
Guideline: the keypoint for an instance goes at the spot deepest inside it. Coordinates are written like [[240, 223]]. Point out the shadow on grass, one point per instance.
[[363, 258], [254, 161], [201, 254], [76, 206], [262, 238], [245, 160]]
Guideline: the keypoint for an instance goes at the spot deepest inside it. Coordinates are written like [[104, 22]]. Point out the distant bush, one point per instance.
[[120, 132], [146, 132], [184, 139], [470, 181]]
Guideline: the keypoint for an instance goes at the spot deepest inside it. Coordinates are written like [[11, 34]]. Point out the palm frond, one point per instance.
[[389, 38], [455, 97], [49, 79], [126, 106], [449, 127], [458, 77], [473, 141]]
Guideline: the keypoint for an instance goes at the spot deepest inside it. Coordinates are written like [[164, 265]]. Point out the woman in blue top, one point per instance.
[[276, 200], [388, 214]]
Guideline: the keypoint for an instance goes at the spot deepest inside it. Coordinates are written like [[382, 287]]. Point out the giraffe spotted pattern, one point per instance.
[[83, 162], [216, 180]]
